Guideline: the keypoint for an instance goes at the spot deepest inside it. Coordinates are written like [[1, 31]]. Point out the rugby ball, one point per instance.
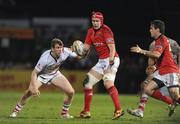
[[78, 47]]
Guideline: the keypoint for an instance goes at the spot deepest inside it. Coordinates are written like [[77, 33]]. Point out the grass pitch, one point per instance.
[[45, 110]]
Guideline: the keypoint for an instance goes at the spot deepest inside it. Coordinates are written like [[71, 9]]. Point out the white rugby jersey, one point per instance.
[[47, 64]]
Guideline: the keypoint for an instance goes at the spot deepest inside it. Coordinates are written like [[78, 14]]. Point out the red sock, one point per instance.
[[115, 97], [159, 96], [87, 99]]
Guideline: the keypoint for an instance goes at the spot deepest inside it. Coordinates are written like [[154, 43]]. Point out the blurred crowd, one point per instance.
[[23, 54]]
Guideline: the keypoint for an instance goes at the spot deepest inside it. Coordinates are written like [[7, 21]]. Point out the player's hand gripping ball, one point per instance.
[[78, 48]]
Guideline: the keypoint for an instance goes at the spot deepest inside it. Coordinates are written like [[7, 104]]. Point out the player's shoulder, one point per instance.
[[67, 50], [46, 53], [105, 27], [90, 29], [162, 39]]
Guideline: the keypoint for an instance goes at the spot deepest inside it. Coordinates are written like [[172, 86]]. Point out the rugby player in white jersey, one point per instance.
[[47, 72]]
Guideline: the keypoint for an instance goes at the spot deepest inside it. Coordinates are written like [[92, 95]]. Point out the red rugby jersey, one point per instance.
[[100, 38], [165, 64]]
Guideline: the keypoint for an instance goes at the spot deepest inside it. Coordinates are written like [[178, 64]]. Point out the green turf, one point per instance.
[[45, 110]]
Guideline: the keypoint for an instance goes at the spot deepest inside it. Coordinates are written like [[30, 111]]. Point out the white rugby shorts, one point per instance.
[[169, 80], [103, 64], [46, 78]]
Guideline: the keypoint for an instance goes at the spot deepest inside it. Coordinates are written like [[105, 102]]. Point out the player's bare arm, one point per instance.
[[112, 50], [151, 61], [34, 90], [153, 54]]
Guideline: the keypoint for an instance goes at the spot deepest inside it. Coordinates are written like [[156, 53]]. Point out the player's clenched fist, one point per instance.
[[150, 69]]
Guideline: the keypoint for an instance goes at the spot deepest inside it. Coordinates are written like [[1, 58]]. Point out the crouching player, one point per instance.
[[166, 67], [139, 112], [47, 72]]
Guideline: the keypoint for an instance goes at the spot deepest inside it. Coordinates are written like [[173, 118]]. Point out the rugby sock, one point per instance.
[[87, 99], [114, 95], [142, 102], [158, 95], [18, 107], [65, 108]]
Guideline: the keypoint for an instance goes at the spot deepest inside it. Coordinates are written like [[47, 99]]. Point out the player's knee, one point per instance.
[[89, 81], [108, 84], [28, 92], [71, 93], [174, 94], [146, 88], [109, 76]]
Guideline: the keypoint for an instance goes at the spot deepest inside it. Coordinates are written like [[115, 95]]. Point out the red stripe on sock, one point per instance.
[[141, 108], [142, 103]]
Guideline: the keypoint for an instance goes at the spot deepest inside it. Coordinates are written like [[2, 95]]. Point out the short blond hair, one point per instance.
[[56, 41]]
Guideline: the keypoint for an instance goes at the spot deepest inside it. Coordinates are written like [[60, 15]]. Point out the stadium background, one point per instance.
[[26, 28]]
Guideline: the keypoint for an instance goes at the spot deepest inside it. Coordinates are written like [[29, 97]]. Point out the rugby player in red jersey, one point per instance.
[[167, 70], [139, 112], [101, 37]]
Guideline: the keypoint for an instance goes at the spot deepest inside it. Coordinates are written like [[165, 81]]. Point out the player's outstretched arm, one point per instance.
[[153, 54]]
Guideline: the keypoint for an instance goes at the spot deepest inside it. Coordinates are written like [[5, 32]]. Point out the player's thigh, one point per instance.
[[61, 82], [146, 81], [96, 74], [151, 85]]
